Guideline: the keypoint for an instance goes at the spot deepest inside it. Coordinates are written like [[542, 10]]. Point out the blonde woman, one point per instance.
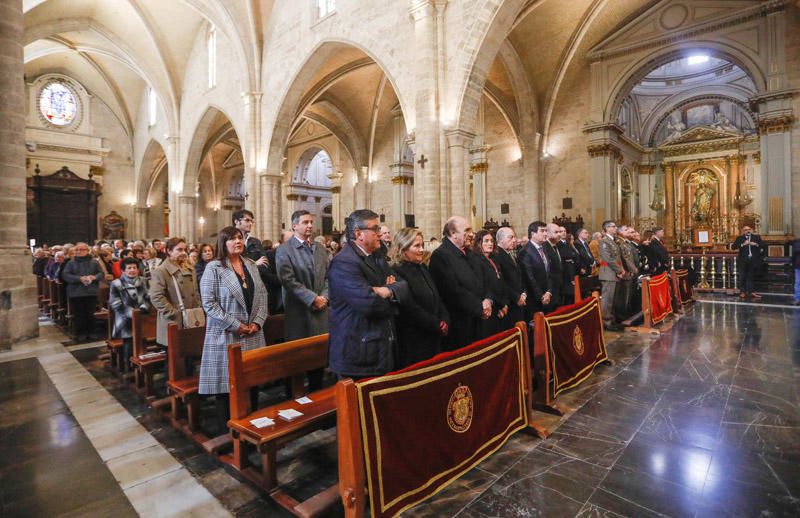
[[423, 319]]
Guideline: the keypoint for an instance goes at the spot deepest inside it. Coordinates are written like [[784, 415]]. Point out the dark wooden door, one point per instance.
[[62, 208]]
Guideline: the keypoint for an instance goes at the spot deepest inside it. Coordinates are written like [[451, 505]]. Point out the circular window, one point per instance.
[[58, 104]]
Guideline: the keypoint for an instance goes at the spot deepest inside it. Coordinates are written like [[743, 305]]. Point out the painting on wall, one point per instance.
[[697, 115]]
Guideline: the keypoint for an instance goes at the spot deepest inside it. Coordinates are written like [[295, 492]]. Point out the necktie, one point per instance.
[[749, 248], [544, 259]]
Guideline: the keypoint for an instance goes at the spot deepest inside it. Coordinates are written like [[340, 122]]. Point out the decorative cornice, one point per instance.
[[606, 149], [594, 127], [480, 167], [336, 189], [403, 180], [292, 197], [777, 124]]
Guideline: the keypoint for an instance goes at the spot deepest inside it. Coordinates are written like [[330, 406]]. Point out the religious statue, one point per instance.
[[724, 123], [113, 226], [674, 129], [701, 208]]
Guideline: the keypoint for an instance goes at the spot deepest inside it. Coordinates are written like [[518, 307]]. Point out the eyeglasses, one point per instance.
[[247, 220], [376, 228]]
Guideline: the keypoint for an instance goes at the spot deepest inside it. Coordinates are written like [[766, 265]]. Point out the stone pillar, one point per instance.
[[362, 188], [291, 204], [174, 185], [336, 200], [140, 221], [602, 164], [251, 152], [458, 142], [187, 219], [427, 145], [776, 173], [669, 202], [18, 297], [271, 197]]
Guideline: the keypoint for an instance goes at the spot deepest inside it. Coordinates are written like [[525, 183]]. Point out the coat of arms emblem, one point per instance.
[[459, 409], [577, 341]]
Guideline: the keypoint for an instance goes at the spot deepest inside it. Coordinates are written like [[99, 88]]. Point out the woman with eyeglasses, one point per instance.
[[235, 302]]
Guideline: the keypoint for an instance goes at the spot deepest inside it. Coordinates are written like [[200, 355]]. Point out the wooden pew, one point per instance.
[[585, 287], [146, 361], [182, 389], [273, 329], [115, 346], [248, 369], [43, 294]]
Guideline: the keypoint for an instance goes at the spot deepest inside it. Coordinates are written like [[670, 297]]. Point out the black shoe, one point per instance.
[[613, 327]]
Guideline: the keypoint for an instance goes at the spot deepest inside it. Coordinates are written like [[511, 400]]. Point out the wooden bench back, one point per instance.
[[144, 327], [102, 295], [266, 364], [183, 343], [273, 329]]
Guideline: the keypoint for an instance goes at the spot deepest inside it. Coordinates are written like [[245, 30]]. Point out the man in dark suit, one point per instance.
[[568, 258], [585, 261], [364, 296], [658, 252], [750, 259], [556, 262], [535, 266], [460, 286], [302, 267], [511, 274], [243, 220]]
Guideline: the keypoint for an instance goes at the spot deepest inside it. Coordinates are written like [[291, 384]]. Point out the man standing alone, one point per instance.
[[750, 249]]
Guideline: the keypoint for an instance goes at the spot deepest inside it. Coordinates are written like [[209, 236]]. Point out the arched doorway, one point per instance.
[[309, 187]]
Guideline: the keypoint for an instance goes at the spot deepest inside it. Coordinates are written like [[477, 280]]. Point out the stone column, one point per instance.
[[602, 164], [174, 186], [187, 220], [271, 197], [140, 221], [776, 173], [362, 188], [669, 203], [458, 142], [250, 150], [18, 297], [427, 145]]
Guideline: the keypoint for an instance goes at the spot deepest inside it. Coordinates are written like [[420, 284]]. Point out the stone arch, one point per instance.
[[478, 50], [197, 148], [292, 97], [638, 69], [307, 155], [153, 162]]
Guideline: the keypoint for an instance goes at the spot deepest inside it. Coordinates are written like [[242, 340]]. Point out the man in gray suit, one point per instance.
[[303, 269], [611, 272]]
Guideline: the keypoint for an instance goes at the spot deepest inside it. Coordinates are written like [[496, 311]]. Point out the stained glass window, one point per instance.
[[58, 104]]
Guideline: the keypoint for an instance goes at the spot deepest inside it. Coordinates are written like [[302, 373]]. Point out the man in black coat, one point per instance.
[[556, 262], [364, 298], [535, 266], [569, 259], [511, 274], [658, 252], [461, 287], [584, 262], [750, 259], [253, 249]]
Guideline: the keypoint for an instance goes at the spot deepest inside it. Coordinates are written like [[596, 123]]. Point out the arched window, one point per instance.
[[325, 7], [212, 56]]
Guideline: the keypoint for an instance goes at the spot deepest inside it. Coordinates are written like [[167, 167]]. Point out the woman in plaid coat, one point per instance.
[[235, 302]]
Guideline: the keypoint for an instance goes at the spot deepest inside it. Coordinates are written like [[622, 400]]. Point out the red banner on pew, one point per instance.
[[575, 343], [685, 290], [660, 300], [459, 407]]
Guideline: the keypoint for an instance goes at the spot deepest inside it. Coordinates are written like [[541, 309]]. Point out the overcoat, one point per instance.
[[535, 279], [418, 322], [226, 310], [123, 298], [165, 298], [304, 277], [363, 340], [512, 276], [462, 290]]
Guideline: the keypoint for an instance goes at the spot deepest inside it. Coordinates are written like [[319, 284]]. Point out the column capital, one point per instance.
[[775, 124], [172, 139], [187, 198], [421, 9], [141, 209], [459, 137]]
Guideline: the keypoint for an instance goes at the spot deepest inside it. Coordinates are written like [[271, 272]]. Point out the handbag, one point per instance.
[[192, 317]]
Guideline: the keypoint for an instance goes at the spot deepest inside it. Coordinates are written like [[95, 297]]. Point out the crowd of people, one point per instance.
[[387, 301]]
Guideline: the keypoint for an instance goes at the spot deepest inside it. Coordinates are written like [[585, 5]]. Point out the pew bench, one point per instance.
[[248, 369], [184, 344], [146, 360]]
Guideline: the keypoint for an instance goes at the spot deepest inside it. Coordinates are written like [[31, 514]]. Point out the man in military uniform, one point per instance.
[[611, 272]]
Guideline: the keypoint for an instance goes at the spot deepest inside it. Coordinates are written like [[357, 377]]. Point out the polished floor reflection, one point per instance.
[[703, 421], [48, 467]]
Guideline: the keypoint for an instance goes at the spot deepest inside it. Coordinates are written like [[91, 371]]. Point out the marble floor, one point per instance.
[[703, 420]]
